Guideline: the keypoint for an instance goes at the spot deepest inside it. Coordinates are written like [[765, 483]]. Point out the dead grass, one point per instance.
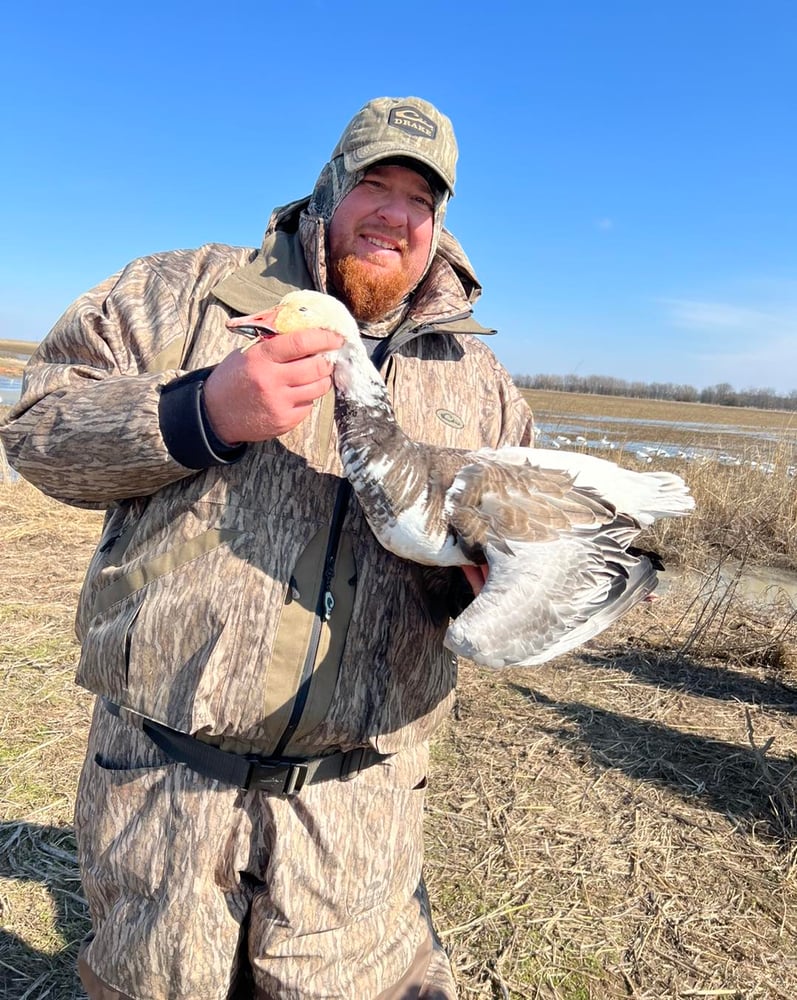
[[13, 367], [14, 356], [618, 824], [16, 347], [744, 515], [622, 823], [44, 548]]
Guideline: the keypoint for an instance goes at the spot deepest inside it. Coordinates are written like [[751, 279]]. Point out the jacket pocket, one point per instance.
[[155, 622], [148, 570]]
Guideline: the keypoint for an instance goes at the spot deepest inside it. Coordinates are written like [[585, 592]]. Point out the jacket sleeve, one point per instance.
[[87, 429]]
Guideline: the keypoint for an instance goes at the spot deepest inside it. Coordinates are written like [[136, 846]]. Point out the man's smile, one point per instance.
[[383, 242]]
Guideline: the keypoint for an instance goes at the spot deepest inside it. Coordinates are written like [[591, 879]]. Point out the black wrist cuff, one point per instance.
[[186, 428]]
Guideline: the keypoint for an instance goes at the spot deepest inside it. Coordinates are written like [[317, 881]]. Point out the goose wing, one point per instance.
[[559, 569], [546, 598], [504, 503]]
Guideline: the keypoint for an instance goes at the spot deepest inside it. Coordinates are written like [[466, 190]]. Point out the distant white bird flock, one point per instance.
[[554, 528]]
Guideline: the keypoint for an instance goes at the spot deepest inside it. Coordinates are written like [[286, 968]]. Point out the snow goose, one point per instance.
[[554, 528]]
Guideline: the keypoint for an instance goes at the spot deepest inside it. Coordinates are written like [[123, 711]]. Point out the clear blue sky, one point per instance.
[[628, 170]]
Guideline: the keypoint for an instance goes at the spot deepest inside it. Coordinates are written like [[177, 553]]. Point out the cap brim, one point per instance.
[[387, 150]]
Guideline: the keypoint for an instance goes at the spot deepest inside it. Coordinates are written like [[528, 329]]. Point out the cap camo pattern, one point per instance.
[[389, 127]]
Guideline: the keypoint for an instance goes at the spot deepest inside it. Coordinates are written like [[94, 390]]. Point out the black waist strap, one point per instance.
[[279, 775]]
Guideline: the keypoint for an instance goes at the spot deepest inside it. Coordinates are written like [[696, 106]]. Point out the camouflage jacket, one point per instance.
[[200, 607]]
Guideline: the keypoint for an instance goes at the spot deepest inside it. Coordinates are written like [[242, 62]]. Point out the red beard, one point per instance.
[[369, 293]]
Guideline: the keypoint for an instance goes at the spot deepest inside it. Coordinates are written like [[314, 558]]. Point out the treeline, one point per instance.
[[721, 394]]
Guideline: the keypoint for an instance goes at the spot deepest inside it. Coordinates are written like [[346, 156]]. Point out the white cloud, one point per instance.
[[716, 316], [746, 344], [779, 354]]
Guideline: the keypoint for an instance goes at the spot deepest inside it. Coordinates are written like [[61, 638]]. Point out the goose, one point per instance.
[[553, 528]]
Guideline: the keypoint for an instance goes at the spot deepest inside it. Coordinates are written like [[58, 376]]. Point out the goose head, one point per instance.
[[299, 310], [304, 309]]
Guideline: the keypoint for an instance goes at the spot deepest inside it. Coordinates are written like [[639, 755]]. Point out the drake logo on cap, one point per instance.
[[413, 122]]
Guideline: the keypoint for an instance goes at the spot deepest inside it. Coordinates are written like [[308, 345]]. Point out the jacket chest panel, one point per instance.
[[442, 403]]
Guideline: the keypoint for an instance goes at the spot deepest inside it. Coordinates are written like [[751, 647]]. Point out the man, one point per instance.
[[238, 612]]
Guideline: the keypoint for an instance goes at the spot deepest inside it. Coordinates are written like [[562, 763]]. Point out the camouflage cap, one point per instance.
[[400, 127]]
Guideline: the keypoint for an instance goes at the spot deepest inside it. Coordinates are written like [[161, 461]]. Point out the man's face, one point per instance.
[[380, 238]]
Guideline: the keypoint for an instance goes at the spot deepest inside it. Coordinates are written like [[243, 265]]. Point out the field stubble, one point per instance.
[[620, 823]]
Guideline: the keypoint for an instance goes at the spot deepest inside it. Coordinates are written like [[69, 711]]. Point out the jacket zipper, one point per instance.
[[323, 611], [326, 601]]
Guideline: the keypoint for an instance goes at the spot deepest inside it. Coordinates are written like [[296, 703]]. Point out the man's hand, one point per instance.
[[267, 389]]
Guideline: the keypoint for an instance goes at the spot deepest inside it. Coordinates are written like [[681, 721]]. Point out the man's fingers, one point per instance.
[[305, 395], [301, 344], [259, 394], [304, 371]]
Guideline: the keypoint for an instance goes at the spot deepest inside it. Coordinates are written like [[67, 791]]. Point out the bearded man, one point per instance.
[[249, 816]]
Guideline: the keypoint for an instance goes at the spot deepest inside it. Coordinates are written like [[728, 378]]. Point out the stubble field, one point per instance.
[[620, 823]]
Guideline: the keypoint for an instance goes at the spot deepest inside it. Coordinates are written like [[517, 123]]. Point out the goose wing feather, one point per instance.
[[559, 569], [548, 597], [500, 504], [644, 495]]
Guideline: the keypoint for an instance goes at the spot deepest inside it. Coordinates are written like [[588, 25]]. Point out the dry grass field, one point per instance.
[[546, 403], [11, 367], [13, 356], [761, 436], [620, 823]]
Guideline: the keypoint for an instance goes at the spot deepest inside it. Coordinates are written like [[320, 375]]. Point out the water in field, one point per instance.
[[9, 393], [9, 390], [765, 584], [648, 440], [754, 584]]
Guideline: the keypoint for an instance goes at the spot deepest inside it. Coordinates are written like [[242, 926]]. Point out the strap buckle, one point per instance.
[[294, 782], [286, 779]]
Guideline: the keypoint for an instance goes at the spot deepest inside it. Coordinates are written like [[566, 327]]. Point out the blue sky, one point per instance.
[[627, 185]]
